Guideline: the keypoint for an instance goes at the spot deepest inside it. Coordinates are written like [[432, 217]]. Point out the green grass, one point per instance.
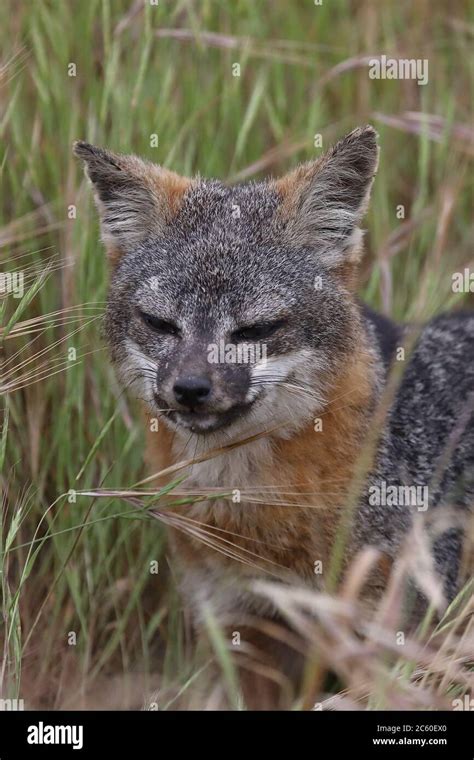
[[81, 564]]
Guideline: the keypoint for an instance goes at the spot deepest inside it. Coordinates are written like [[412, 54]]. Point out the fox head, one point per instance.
[[232, 307]]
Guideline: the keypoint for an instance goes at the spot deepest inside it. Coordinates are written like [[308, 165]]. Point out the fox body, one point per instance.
[[277, 442]]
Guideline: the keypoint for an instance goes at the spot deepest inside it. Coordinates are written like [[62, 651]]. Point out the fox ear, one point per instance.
[[134, 197], [323, 201]]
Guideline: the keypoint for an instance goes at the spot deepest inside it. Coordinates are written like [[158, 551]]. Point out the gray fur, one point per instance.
[[230, 258], [428, 441]]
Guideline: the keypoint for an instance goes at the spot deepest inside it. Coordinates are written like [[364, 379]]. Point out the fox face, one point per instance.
[[231, 308]]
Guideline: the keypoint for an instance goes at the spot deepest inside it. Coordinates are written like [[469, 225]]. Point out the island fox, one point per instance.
[[200, 269]]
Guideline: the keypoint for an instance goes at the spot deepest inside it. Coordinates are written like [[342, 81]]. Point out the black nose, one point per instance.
[[191, 391]]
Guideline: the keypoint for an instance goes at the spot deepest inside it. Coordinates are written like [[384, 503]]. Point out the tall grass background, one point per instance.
[[84, 621]]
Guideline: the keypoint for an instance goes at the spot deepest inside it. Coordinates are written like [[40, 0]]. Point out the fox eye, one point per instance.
[[160, 325], [258, 331]]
